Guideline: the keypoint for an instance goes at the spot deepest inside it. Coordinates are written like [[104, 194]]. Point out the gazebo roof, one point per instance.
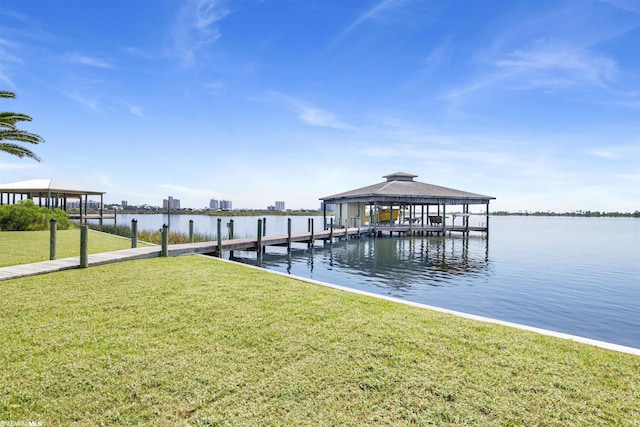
[[52, 186], [400, 187]]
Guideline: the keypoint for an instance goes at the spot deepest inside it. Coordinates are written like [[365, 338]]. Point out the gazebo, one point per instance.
[[402, 204], [51, 193]]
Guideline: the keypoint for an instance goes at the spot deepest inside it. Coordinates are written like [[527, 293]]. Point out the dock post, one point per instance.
[[331, 232], [288, 234], [219, 237], [134, 233], [84, 246], [190, 231], [164, 251], [259, 241], [264, 226], [466, 219], [230, 229], [53, 227], [311, 230]]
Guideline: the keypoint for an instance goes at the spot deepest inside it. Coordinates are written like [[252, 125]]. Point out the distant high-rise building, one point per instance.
[[124, 204], [226, 205], [171, 203], [280, 206], [91, 204], [214, 205]]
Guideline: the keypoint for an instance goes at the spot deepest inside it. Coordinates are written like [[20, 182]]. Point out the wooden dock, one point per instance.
[[257, 244], [211, 248]]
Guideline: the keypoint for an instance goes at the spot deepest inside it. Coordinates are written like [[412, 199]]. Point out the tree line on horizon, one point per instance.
[[579, 213]]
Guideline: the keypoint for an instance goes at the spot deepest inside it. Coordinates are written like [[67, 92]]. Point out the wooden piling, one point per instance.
[[53, 227], [259, 242], [84, 246], [289, 234], [190, 231], [331, 232], [164, 250], [134, 233], [219, 237], [311, 229]]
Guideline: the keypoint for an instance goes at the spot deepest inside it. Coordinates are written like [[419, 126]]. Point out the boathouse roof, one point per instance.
[[401, 188], [51, 186]]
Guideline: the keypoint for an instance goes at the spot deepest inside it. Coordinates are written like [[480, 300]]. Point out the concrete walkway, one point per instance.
[[24, 270]]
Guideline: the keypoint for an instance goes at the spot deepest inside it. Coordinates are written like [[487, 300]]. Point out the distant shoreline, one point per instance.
[[581, 214], [222, 213]]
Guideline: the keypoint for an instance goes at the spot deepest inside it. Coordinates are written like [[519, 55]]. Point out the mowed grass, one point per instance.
[[24, 247], [196, 341]]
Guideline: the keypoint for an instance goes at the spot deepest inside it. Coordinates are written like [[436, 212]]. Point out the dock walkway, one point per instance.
[[246, 244]]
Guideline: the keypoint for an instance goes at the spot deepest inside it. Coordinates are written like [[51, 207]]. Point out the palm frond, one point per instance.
[[17, 150], [7, 94], [9, 119], [20, 136]]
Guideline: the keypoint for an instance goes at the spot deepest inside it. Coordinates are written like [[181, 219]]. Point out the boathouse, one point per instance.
[[401, 204], [53, 193]]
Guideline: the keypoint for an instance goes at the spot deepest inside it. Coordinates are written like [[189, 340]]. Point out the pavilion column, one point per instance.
[[410, 218], [444, 217], [324, 215], [377, 214]]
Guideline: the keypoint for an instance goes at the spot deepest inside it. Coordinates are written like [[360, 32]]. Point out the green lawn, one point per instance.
[[23, 247], [196, 341]]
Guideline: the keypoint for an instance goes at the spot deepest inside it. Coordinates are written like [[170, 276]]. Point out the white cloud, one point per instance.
[[309, 114], [598, 152], [215, 87], [195, 28], [322, 118], [4, 78], [91, 103], [372, 13], [554, 64], [628, 5], [77, 58], [549, 65], [136, 111]]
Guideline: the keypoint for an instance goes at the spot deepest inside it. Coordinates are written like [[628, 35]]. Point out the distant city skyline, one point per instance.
[[535, 103]]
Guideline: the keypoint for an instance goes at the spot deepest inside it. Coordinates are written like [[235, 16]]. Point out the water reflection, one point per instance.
[[398, 265]]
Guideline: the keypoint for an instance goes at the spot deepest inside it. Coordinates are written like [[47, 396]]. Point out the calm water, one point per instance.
[[575, 275], [244, 226]]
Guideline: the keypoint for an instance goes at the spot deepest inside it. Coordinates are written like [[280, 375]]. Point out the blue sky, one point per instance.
[[536, 103]]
